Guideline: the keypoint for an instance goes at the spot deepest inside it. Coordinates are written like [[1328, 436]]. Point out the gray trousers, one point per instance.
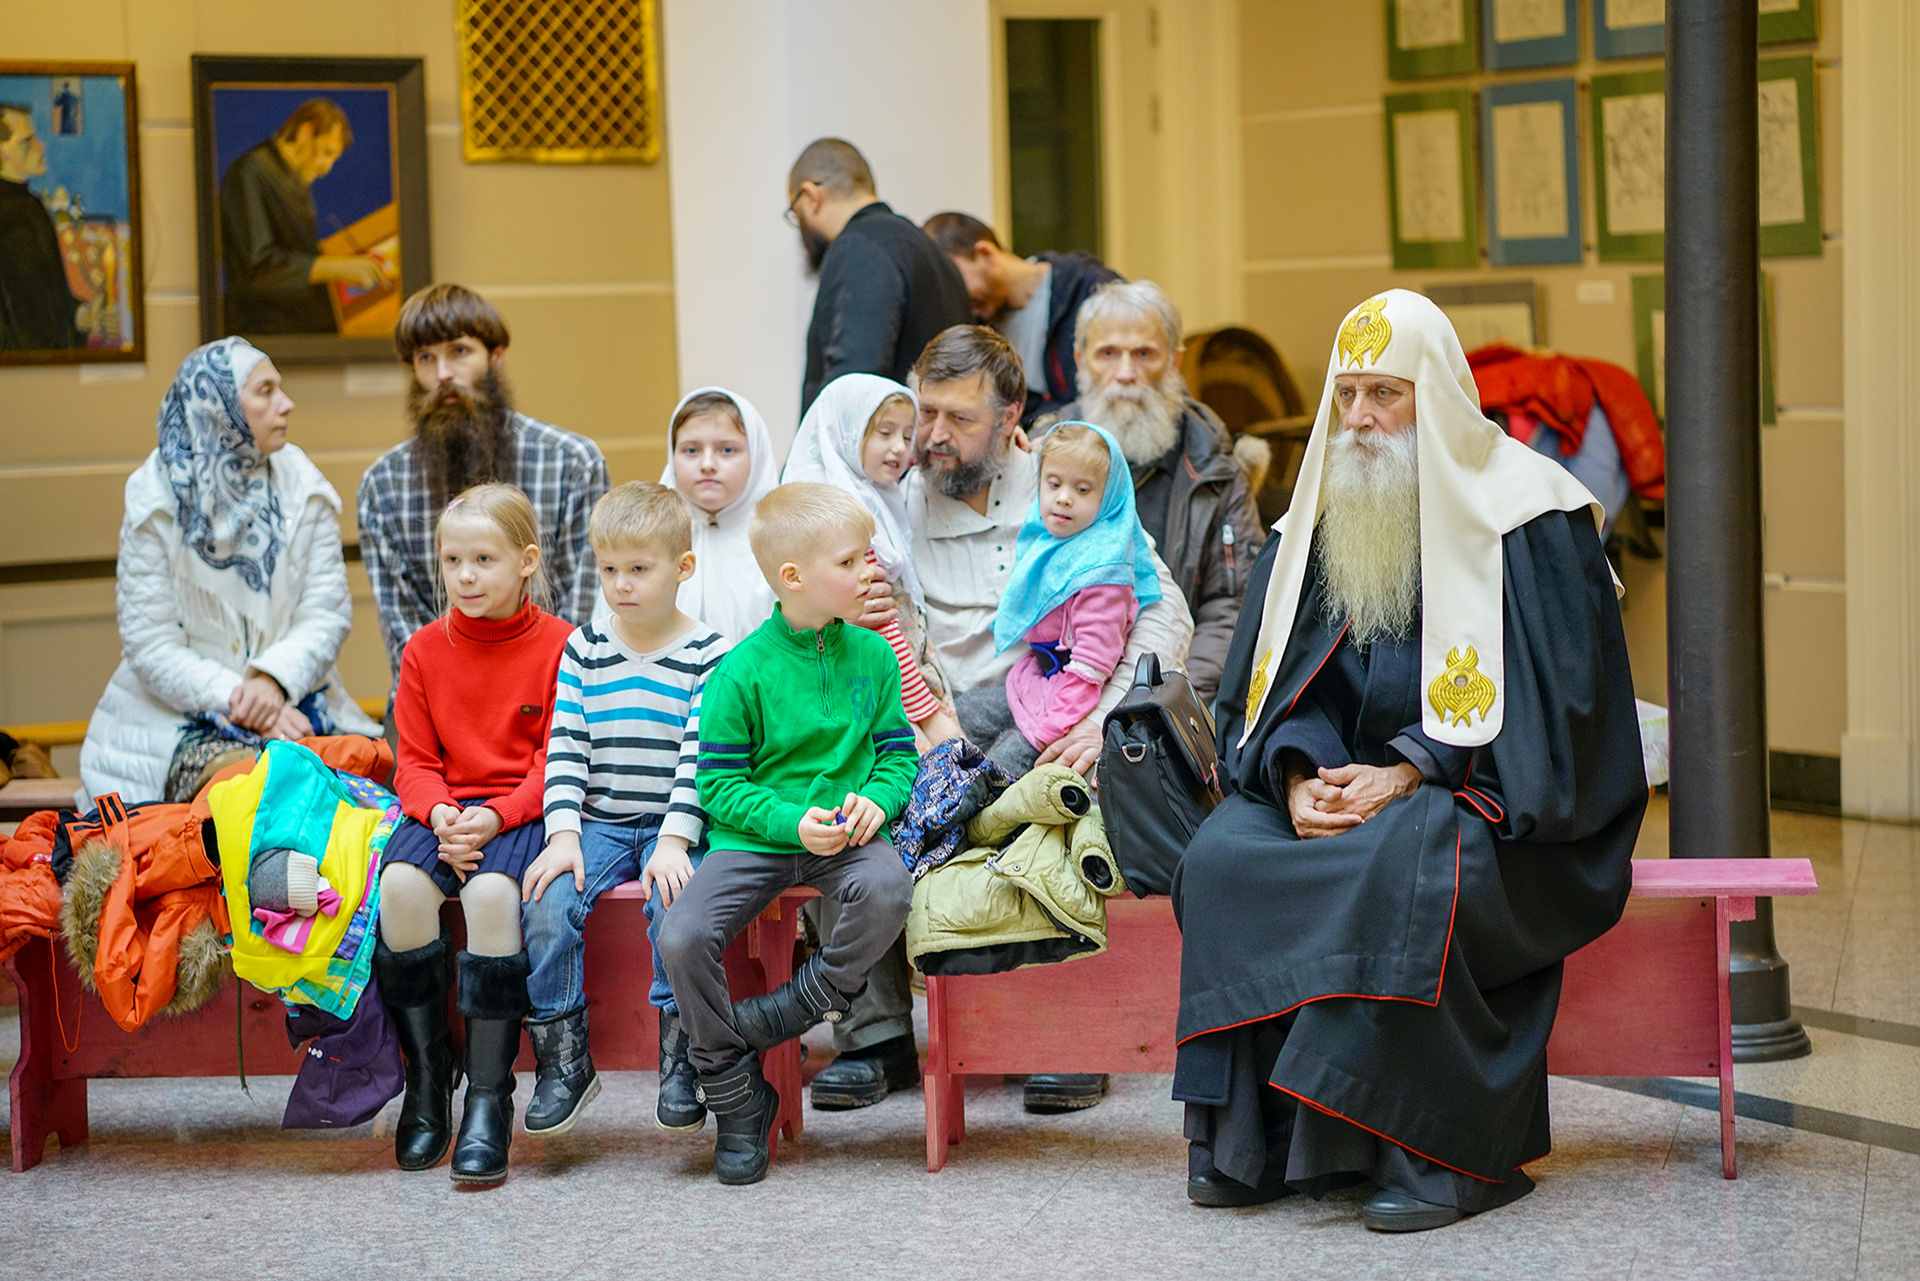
[[731, 887]]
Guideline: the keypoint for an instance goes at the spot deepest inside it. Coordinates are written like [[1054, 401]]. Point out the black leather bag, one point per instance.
[[1159, 776]]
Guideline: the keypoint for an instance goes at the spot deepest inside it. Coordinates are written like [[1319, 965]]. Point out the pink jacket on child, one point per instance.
[[1092, 625]]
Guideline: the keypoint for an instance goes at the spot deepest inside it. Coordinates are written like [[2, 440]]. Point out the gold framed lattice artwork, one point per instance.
[[559, 81]]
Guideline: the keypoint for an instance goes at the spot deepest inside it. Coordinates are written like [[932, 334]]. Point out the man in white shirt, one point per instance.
[[966, 501]]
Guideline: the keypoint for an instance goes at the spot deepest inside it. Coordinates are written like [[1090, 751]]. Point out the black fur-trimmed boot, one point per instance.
[[745, 1108], [790, 1009], [414, 986], [493, 997], [678, 1108], [565, 1082]]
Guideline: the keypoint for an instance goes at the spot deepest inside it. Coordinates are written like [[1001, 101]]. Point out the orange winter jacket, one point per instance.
[[29, 891]]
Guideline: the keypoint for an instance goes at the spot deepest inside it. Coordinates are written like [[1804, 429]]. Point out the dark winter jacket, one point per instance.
[[885, 290], [1075, 276], [1211, 535]]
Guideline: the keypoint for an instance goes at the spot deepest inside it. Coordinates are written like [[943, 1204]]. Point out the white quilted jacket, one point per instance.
[[185, 649]]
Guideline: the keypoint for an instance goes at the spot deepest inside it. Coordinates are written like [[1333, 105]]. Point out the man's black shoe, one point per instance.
[[1063, 1092], [861, 1078], [1389, 1210]]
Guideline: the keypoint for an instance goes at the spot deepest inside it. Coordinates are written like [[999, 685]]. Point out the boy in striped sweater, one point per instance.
[[620, 797], [805, 756]]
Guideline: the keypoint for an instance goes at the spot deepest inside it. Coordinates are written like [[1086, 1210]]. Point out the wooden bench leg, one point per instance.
[[945, 1092], [1725, 911], [772, 947], [41, 1105]]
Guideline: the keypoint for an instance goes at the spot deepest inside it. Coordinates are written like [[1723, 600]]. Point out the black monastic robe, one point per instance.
[[1398, 981], [36, 307]]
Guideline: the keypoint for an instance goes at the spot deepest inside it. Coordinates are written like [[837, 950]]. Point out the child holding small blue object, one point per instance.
[[621, 802], [1083, 572]]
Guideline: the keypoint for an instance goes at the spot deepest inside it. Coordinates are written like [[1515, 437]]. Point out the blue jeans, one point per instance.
[[613, 854]]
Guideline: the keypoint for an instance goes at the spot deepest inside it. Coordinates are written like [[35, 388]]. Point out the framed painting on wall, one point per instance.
[[312, 194], [70, 273], [1787, 21], [1530, 33], [1532, 172], [1495, 311], [1789, 159], [1630, 165], [1630, 28], [1430, 187], [1427, 38]]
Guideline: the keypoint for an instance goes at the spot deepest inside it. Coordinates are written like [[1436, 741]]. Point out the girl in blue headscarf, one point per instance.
[[1083, 572]]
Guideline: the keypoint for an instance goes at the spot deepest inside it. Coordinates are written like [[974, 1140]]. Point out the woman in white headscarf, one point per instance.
[[232, 591], [858, 436], [721, 459]]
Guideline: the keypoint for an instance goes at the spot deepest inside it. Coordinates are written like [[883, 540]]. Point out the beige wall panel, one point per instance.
[[47, 415], [50, 31], [1806, 670], [363, 659], [1807, 330], [1602, 331], [1311, 53], [58, 645], [511, 224], [600, 366], [169, 226], [1803, 498], [1643, 616], [1315, 187]]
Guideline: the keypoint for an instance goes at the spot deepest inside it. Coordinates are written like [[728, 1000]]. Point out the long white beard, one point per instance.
[[1144, 419], [1370, 534]]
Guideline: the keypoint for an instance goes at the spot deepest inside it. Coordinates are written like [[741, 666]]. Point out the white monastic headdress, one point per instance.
[[1476, 485]]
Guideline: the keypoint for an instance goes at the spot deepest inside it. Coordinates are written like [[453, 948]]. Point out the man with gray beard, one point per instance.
[[1428, 735], [1190, 486]]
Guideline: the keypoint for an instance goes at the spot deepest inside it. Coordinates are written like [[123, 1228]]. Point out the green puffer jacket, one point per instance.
[[1029, 888]]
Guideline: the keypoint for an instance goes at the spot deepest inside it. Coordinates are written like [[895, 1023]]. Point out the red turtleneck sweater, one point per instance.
[[473, 709]]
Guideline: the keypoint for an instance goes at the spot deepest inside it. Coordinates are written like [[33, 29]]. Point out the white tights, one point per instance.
[[410, 910]]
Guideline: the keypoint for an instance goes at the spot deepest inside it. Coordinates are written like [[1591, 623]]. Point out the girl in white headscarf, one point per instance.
[[232, 591], [858, 436], [721, 460]]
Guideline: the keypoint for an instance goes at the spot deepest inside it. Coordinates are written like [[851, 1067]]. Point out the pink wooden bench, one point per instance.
[[1648, 998], [66, 1037]]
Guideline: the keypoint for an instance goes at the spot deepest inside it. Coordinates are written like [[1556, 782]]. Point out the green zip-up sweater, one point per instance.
[[794, 719]]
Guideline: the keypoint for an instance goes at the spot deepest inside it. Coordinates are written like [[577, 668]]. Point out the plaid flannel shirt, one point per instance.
[[562, 474]]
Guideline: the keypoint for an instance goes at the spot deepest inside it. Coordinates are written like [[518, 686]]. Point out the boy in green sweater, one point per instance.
[[805, 756]]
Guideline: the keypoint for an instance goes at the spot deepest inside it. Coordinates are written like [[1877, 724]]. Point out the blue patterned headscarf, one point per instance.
[[224, 500], [1047, 570]]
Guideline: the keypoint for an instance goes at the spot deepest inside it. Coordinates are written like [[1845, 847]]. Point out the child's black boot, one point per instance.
[[745, 1108], [493, 997], [679, 1108], [414, 986], [790, 1009], [565, 1081]]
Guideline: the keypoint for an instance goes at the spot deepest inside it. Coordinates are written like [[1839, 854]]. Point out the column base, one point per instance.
[[1770, 1042]]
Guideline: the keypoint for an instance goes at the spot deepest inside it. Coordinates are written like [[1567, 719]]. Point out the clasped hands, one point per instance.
[[462, 833], [826, 832], [1329, 801], [259, 704]]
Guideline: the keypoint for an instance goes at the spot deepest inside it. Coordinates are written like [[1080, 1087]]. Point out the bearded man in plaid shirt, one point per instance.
[[466, 431]]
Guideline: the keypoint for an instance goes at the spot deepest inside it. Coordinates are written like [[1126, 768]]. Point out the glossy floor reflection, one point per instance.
[[194, 1178]]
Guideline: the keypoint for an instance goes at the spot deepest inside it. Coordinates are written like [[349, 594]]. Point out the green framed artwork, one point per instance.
[[1629, 136], [1430, 179], [1786, 21], [1650, 343], [1789, 158], [1427, 38]]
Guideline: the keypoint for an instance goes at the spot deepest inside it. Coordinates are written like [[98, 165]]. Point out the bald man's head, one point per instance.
[[835, 165]]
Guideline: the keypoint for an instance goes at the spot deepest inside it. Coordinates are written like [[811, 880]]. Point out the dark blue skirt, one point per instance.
[[509, 853]]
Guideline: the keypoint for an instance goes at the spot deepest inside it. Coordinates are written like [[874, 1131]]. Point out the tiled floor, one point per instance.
[[195, 1179]]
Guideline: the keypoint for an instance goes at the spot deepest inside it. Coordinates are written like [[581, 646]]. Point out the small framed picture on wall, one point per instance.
[[1630, 28], [1530, 33], [70, 271], [1532, 169], [1427, 38], [312, 195], [1630, 165], [1789, 158], [1430, 179]]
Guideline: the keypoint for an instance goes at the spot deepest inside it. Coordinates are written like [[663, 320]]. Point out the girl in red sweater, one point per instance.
[[473, 706]]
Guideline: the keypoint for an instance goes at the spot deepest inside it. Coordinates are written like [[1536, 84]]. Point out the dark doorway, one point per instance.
[[1053, 133]]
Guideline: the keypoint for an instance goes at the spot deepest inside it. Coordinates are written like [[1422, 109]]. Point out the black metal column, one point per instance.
[[1716, 673]]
